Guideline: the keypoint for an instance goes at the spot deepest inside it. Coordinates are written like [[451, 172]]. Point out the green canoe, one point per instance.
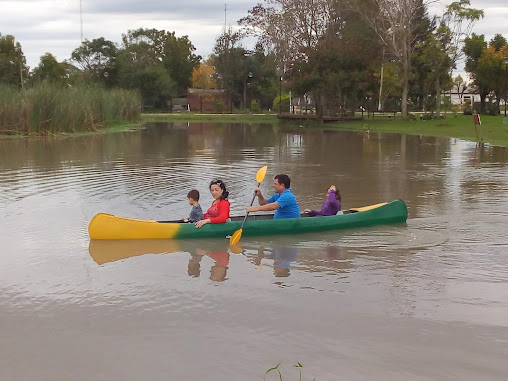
[[107, 226]]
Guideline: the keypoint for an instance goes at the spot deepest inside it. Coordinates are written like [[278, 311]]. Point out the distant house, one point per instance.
[[460, 95], [208, 100]]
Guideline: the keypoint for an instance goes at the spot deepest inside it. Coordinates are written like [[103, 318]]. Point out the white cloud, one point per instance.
[[54, 25]]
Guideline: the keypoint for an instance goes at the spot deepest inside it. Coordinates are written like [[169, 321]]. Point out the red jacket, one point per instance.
[[218, 212]]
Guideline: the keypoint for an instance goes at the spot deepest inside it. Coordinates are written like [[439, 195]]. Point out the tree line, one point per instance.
[[336, 54]]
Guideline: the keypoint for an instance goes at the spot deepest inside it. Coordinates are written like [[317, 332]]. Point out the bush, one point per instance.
[[492, 109], [254, 106], [218, 105], [284, 103]]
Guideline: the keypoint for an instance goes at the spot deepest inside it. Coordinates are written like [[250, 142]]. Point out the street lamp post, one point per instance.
[[280, 96], [250, 75]]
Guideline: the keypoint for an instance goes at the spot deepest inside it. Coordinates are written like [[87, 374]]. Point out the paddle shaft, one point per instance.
[[247, 214]]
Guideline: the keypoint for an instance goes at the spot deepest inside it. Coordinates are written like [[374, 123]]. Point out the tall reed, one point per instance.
[[50, 108]]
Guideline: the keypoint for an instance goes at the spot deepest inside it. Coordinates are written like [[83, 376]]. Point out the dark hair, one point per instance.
[[283, 179], [337, 194], [194, 194], [222, 185]]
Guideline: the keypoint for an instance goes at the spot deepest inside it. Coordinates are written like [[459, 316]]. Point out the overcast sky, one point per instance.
[[54, 25]]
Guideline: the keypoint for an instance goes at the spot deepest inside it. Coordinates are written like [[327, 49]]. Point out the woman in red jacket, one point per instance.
[[218, 213]]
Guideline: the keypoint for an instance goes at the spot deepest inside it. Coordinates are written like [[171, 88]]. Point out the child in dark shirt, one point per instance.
[[196, 214]]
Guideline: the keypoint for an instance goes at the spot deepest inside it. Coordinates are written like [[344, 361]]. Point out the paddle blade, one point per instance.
[[236, 249], [260, 175], [235, 237]]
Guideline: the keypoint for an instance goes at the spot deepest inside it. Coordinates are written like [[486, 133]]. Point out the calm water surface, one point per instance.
[[425, 300]]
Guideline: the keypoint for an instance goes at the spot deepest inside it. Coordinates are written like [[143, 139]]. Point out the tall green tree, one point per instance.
[[140, 69], [179, 60], [229, 58], [13, 69], [97, 60], [396, 24], [473, 49], [491, 71], [498, 41], [49, 69]]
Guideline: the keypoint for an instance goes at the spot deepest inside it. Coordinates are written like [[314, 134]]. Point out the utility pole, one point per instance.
[[81, 18], [22, 82], [225, 13]]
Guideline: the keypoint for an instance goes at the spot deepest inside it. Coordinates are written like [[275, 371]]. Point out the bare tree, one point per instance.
[[396, 22], [289, 27]]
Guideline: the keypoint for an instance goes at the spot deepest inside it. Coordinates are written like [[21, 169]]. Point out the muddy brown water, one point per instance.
[[425, 300]]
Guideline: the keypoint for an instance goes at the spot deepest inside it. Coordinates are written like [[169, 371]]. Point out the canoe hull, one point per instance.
[[108, 226]]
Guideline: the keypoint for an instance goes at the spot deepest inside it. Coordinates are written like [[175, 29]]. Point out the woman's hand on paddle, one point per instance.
[[202, 222], [306, 210]]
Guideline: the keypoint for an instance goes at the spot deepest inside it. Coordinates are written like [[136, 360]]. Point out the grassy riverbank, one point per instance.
[[47, 109], [219, 118], [492, 130]]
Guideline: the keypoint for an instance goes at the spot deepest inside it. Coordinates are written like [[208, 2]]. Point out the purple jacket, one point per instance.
[[330, 207]]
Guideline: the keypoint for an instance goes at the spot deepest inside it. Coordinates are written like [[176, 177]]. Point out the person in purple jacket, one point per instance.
[[330, 207]]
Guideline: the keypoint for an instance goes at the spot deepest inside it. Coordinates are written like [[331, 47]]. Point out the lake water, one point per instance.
[[426, 300]]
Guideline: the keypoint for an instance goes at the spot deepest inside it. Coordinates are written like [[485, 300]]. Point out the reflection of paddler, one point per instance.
[[219, 269], [282, 258], [104, 251]]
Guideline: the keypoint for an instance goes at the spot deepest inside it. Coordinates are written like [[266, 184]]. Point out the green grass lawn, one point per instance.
[[492, 129]]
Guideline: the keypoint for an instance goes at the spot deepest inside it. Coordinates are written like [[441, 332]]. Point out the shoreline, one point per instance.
[[492, 131]]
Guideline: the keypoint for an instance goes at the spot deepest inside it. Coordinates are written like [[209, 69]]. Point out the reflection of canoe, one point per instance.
[[108, 250], [107, 226], [105, 250]]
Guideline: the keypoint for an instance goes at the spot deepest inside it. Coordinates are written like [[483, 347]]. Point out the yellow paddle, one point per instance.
[[260, 175]]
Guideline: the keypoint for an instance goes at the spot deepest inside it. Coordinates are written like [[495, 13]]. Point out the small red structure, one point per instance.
[[208, 100]]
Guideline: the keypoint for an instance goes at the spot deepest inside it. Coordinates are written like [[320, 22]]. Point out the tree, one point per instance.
[[203, 77], [395, 23], [13, 69], [461, 87], [49, 69], [454, 26], [491, 71], [473, 48], [230, 64], [138, 68], [498, 41], [289, 27], [179, 60], [96, 58]]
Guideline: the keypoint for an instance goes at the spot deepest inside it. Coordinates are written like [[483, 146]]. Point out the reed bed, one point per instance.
[[50, 109]]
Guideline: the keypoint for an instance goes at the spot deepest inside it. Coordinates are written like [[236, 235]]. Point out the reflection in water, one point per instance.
[[437, 284]]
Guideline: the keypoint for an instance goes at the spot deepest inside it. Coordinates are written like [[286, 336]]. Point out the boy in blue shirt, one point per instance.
[[283, 201], [196, 214]]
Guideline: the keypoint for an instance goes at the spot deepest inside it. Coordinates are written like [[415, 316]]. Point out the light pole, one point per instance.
[[506, 86], [280, 96], [250, 91]]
